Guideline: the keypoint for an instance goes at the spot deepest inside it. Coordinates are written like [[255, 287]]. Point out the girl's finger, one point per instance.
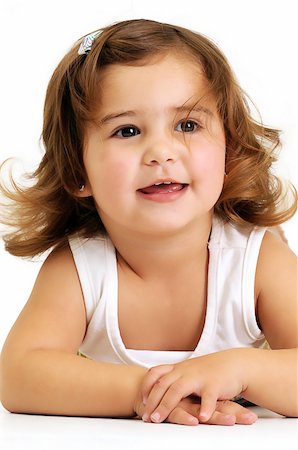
[[153, 375], [219, 418], [182, 417], [208, 405], [156, 395], [244, 416], [166, 395], [187, 414]]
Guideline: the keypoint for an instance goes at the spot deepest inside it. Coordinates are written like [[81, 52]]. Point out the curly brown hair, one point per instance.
[[47, 211]]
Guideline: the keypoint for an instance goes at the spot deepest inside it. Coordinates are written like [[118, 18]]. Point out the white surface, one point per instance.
[[25, 432]]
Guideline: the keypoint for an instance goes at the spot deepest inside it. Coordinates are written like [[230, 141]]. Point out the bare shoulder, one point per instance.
[[276, 287], [58, 276], [59, 263], [54, 316]]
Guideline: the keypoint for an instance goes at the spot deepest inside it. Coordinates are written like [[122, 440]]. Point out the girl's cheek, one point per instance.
[[206, 163]]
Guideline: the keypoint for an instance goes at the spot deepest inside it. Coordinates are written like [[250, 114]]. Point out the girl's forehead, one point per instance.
[[169, 78], [161, 62]]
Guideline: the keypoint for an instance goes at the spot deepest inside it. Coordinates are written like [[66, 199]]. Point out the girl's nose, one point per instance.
[[160, 154]]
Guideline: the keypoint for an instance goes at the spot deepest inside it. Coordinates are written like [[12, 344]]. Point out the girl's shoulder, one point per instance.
[[275, 254], [276, 291]]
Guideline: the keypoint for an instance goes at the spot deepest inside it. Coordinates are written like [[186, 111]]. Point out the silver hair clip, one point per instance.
[[86, 45]]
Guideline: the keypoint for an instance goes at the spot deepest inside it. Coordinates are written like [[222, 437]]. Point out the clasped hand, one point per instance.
[[203, 381]]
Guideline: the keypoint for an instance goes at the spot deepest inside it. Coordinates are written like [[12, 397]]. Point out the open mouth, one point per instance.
[[166, 187]]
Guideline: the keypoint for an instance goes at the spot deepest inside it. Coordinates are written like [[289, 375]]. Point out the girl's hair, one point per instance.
[[46, 212]]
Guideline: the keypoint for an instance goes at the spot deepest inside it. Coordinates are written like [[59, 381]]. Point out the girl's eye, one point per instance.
[[127, 132], [187, 127]]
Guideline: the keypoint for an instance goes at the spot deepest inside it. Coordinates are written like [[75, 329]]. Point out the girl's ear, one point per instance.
[[83, 190]]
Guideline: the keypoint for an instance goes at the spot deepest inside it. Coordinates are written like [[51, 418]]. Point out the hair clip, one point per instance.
[[86, 45]]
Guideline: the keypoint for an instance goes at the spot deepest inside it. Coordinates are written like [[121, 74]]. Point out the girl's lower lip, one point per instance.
[[164, 197]]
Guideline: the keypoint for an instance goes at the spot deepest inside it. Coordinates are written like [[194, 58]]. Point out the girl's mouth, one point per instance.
[[165, 188], [163, 191]]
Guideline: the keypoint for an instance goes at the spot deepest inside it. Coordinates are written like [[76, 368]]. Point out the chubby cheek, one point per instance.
[[208, 168], [109, 181], [116, 174], [107, 167]]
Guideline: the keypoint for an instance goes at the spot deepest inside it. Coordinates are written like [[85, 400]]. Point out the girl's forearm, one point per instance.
[[53, 382], [272, 379]]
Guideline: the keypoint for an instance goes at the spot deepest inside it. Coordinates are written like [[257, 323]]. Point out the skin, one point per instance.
[[139, 140]]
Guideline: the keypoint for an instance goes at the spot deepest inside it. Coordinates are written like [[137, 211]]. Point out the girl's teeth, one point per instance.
[[163, 182]]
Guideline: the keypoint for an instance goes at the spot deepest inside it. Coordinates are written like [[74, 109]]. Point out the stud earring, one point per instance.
[[81, 187]]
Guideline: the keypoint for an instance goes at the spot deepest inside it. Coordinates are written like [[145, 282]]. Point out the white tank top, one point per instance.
[[230, 315]]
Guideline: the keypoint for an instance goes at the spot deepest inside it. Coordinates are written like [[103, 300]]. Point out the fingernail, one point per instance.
[[145, 417], [250, 416], [193, 421], [155, 417]]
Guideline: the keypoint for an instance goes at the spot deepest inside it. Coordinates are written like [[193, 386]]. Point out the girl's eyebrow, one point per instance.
[[196, 108], [110, 117], [175, 109]]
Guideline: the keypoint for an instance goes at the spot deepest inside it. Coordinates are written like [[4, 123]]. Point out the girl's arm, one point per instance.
[[274, 373], [272, 376], [265, 377], [40, 371]]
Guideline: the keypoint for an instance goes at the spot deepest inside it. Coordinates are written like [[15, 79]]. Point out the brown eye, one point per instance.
[[187, 127], [126, 132]]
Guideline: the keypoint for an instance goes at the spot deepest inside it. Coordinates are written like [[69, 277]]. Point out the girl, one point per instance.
[[153, 194]]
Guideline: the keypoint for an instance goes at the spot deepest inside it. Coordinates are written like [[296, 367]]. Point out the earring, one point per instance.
[[81, 187]]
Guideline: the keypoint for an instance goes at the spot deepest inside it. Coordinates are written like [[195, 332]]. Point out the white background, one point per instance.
[[259, 37]]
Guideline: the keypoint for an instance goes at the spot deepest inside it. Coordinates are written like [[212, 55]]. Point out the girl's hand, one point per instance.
[[226, 413], [217, 376], [187, 413]]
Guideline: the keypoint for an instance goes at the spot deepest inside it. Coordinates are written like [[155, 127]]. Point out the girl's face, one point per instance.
[[155, 162]]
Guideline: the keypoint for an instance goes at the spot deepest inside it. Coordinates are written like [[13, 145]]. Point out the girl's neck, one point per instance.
[[167, 256]]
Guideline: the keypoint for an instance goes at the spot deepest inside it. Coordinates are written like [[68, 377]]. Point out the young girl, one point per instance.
[[153, 194]]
